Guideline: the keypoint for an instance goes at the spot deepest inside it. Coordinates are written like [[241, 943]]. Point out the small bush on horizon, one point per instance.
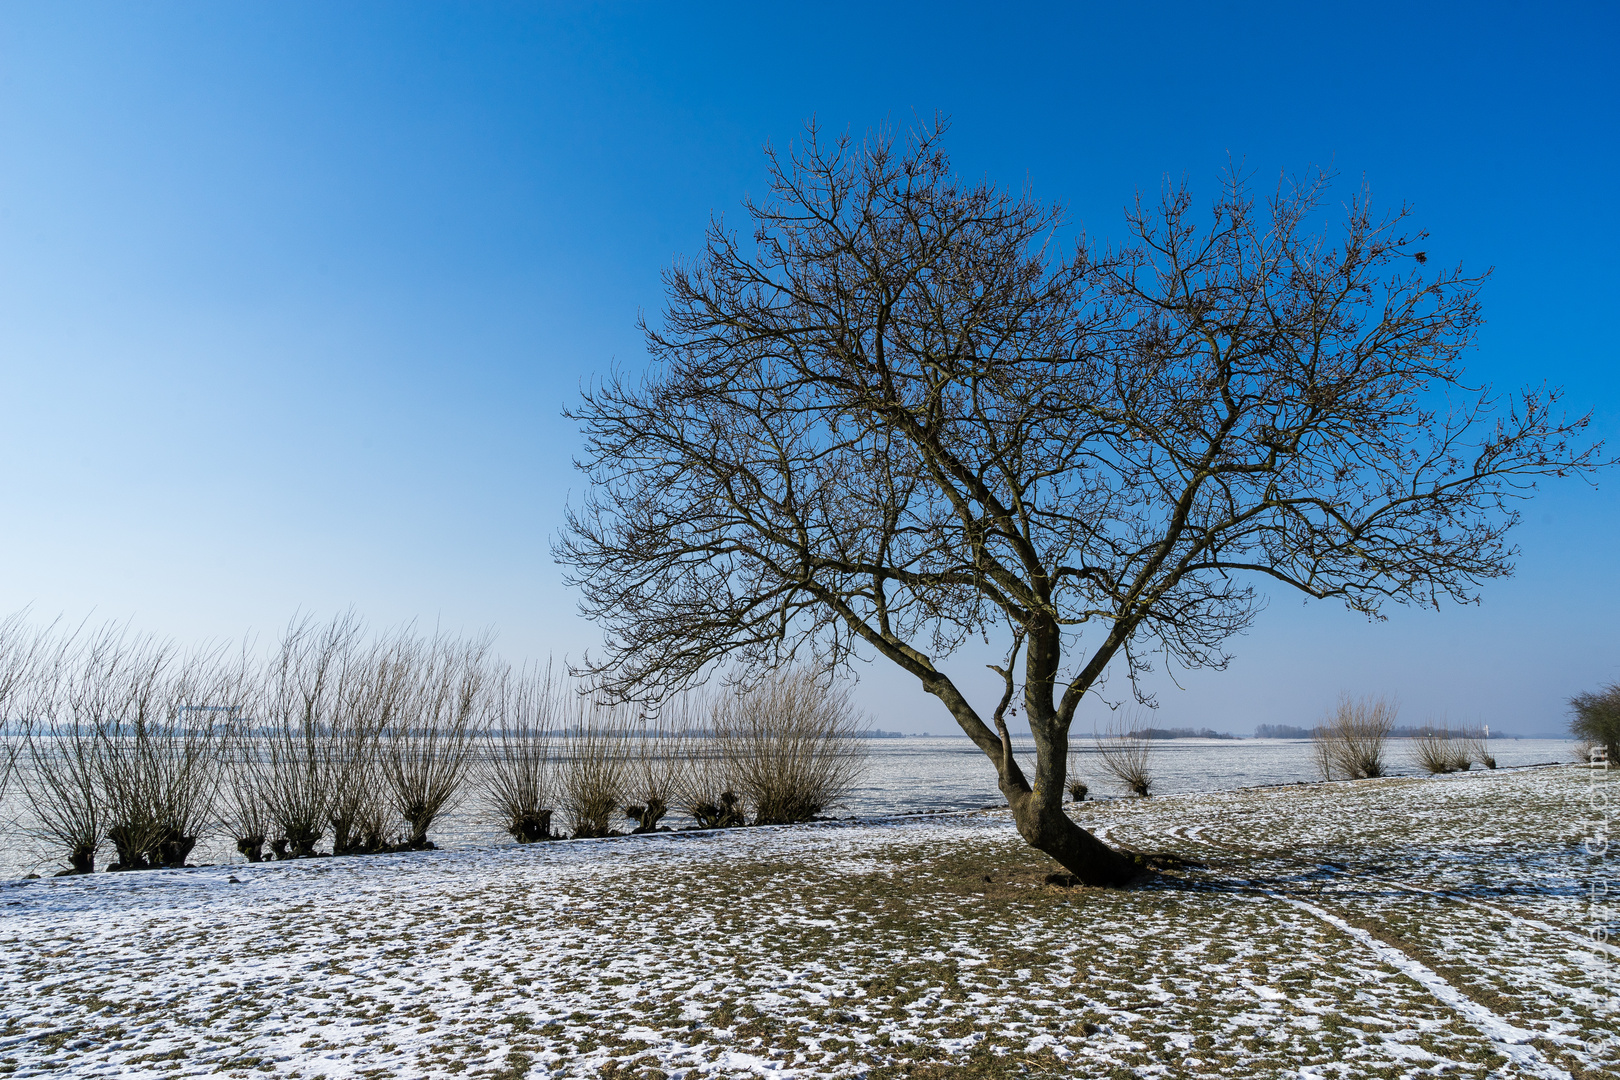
[[1126, 753], [1434, 753], [1596, 719]]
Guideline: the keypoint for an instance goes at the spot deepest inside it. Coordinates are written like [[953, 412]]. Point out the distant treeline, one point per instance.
[[1429, 731], [1179, 733], [1289, 731]]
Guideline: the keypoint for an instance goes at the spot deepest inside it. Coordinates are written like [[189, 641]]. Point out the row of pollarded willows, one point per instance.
[[361, 742], [344, 743], [1440, 749], [782, 751], [126, 740], [1352, 743]]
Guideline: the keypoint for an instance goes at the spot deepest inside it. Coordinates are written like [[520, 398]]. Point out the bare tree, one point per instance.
[[61, 753], [793, 743], [655, 773], [888, 415], [430, 738], [373, 686], [124, 679], [1595, 719], [1462, 753], [516, 777], [1476, 747], [1128, 755], [243, 811], [592, 763], [296, 710], [1434, 752], [1350, 743], [186, 741], [161, 718], [1322, 752], [311, 762], [21, 650], [707, 791], [238, 805]]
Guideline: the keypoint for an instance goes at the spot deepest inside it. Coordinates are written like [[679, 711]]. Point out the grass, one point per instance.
[[929, 948]]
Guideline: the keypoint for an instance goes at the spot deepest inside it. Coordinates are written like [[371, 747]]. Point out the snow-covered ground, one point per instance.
[[1398, 927]]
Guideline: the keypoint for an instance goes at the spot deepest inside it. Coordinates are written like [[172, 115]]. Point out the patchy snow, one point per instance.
[[1402, 927]]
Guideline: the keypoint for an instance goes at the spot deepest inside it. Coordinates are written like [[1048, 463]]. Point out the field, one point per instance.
[[1397, 927]]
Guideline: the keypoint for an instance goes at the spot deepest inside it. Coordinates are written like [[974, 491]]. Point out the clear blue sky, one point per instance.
[[292, 295]]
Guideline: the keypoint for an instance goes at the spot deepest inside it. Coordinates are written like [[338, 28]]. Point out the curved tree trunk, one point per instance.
[[1038, 810], [1045, 827]]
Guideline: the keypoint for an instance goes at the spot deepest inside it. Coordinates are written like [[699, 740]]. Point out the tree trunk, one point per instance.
[[174, 850], [529, 828], [1038, 811], [130, 843], [419, 826], [1047, 828], [82, 860]]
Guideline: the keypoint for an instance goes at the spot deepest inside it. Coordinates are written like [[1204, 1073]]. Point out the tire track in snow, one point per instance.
[[1582, 940], [1193, 834], [1510, 1040]]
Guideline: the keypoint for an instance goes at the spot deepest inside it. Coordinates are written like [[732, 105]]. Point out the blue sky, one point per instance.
[[292, 295]]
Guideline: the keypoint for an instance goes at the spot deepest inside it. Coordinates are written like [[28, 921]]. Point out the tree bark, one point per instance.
[[1038, 811], [1045, 827]]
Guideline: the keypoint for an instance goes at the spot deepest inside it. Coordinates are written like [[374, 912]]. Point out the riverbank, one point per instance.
[[1392, 927]]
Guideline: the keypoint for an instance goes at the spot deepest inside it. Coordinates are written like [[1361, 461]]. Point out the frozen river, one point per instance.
[[910, 775]]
